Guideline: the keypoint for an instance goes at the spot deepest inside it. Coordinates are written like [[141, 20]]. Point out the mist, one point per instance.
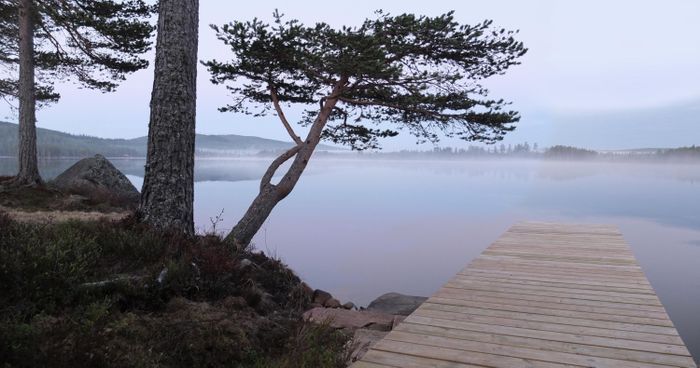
[[606, 117]]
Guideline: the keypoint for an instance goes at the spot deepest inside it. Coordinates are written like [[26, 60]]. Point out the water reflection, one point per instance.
[[360, 228]]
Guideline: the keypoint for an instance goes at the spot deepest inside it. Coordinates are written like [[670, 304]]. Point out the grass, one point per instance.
[[118, 294], [47, 198]]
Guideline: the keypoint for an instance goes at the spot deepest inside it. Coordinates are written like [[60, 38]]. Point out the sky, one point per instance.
[[599, 74]]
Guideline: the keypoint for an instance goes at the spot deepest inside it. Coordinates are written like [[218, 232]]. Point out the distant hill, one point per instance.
[[634, 150], [52, 143]]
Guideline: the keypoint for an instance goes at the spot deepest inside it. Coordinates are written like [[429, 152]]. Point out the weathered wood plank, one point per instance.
[[525, 277], [506, 303], [542, 295], [635, 361], [543, 328], [545, 345], [400, 360], [599, 313], [522, 330], [555, 288], [459, 293], [514, 310], [532, 291], [365, 364], [461, 356]]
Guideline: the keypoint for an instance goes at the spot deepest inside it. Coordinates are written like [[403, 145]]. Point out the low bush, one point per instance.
[[105, 294]]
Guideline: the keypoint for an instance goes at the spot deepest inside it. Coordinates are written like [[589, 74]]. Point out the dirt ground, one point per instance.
[[60, 215]]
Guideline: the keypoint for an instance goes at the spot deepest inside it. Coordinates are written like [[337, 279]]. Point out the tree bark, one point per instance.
[[167, 195], [28, 166], [271, 194]]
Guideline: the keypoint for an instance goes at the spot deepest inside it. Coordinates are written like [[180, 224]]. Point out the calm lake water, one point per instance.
[[360, 228]]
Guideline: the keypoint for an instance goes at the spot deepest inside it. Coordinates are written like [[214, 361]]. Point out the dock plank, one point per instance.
[[542, 295]]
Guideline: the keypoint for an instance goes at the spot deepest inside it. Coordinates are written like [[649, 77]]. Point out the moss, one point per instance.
[[106, 294]]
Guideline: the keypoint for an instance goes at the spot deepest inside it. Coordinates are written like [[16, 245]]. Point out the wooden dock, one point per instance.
[[542, 295]]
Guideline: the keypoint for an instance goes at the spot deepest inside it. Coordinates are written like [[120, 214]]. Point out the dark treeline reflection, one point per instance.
[[205, 170]]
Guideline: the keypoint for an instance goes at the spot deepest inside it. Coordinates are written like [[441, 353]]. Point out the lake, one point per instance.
[[359, 228]]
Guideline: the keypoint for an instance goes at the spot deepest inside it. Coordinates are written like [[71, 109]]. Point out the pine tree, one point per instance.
[[168, 187], [95, 42], [415, 73]]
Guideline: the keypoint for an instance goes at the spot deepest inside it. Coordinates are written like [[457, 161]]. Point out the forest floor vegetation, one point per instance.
[[116, 293]]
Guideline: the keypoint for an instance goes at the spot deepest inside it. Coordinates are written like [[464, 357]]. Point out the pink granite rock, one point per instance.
[[345, 318]]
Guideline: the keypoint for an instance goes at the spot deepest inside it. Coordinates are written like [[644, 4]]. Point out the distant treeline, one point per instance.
[[568, 152], [692, 152], [558, 152], [52, 143], [520, 150]]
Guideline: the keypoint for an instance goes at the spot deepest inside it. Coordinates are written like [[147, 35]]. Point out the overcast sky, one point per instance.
[[591, 65]]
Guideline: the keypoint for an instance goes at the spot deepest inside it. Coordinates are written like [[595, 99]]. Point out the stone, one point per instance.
[[350, 319], [397, 320], [321, 296], [97, 178], [245, 263], [395, 303], [362, 341], [162, 275], [332, 303], [349, 305]]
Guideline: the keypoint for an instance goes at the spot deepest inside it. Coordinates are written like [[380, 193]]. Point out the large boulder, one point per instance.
[[320, 297], [97, 178], [332, 303], [395, 303]]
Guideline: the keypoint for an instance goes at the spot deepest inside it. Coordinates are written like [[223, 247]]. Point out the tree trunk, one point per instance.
[[271, 194], [168, 188], [28, 167]]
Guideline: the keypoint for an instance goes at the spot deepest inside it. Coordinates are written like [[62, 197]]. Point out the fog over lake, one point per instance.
[[359, 228]]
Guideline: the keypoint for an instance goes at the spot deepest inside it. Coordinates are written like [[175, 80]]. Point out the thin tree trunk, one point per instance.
[[271, 194], [167, 195], [28, 167]]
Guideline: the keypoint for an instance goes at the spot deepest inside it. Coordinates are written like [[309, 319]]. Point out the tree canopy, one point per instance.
[[96, 42], [421, 74], [359, 84]]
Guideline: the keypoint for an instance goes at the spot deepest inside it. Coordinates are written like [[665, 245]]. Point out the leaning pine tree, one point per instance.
[[168, 187], [406, 72], [96, 42]]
